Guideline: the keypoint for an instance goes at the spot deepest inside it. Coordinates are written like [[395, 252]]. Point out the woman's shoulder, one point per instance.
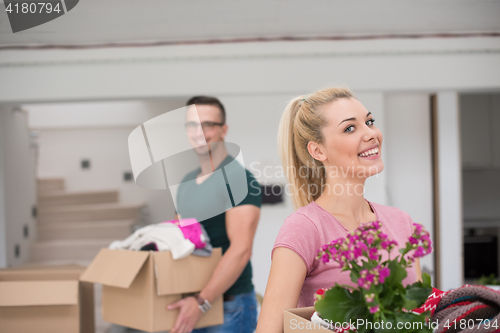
[[300, 233], [306, 216]]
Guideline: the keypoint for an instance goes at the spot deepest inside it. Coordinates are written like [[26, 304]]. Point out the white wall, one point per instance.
[[450, 190], [3, 223], [409, 159], [19, 187], [250, 68]]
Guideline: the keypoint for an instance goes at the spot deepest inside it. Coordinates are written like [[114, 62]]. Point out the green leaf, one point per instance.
[[416, 322], [356, 267], [409, 304], [386, 297], [387, 319], [354, 276], [407, 249], [358, 312], [427, 279], [417, 293], [338, 303], [397, 275]]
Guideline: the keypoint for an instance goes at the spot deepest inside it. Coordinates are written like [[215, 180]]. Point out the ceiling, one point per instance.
[[142, 21]]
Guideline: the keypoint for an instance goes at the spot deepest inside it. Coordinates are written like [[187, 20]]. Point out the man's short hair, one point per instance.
[[208, 100]]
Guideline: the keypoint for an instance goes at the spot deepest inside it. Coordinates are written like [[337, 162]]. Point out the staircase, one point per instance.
[[73, 226]]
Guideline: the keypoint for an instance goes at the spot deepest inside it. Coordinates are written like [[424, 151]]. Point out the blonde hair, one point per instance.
[[301, 122]]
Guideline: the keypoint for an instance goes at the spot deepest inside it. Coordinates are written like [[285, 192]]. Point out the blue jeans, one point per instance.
[[240, 316]]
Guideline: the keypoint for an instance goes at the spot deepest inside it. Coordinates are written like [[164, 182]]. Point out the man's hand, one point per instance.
[[189, 313]]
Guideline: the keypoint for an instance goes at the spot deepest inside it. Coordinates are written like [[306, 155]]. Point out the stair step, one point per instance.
[[81, 213], [60, 250], [59, 262], [49, 184], [54, 198], [118, 229]]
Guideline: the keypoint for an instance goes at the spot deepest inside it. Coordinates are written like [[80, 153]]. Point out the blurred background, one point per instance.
[[72, 89]]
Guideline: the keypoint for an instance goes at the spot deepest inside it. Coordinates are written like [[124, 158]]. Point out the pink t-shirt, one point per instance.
[[310, 227]]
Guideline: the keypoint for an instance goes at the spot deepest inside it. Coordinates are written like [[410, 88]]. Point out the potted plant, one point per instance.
[[380, 300], [490, 281]]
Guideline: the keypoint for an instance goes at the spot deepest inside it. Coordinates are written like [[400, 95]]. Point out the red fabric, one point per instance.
[[431, 302]]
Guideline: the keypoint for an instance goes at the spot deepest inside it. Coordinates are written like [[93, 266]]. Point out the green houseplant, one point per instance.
[[380, 302]]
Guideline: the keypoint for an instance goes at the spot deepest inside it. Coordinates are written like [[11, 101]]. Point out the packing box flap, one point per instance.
[[115, 268], [22, 293], [42, 268], [299, 320], [31, 273], [185, 275]]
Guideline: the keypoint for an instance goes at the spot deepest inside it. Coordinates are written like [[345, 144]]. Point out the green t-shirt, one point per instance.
[[218, 193]]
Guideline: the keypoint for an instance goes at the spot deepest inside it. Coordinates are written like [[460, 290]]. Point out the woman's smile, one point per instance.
[[370, 154]]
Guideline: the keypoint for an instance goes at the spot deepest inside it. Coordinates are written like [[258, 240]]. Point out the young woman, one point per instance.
[[329, 146]]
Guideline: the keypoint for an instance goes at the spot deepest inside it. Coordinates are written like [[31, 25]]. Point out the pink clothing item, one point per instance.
[[191, 231], [310, 227]]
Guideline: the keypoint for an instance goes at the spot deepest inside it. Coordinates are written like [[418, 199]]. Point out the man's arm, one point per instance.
[[241, 224]]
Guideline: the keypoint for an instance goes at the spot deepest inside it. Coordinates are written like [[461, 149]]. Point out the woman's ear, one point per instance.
[[316, 151]]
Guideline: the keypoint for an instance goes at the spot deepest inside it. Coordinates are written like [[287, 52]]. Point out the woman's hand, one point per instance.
[[288, 272]]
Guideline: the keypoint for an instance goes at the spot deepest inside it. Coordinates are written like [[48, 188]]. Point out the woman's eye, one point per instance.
[[350, 128]]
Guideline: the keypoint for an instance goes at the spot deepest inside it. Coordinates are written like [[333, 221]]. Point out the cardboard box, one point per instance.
[[138, 286], [46, 299], [299, 320]]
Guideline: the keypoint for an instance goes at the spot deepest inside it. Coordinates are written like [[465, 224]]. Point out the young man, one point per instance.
[[233, 230]]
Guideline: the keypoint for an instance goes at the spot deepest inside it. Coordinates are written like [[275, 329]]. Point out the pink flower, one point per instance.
[[362, 283], [419, 252], [413, 240], [383, 273], [370, 239], [374, 309], [373, 254], [325, 258], [369, 298], [362, 246]]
